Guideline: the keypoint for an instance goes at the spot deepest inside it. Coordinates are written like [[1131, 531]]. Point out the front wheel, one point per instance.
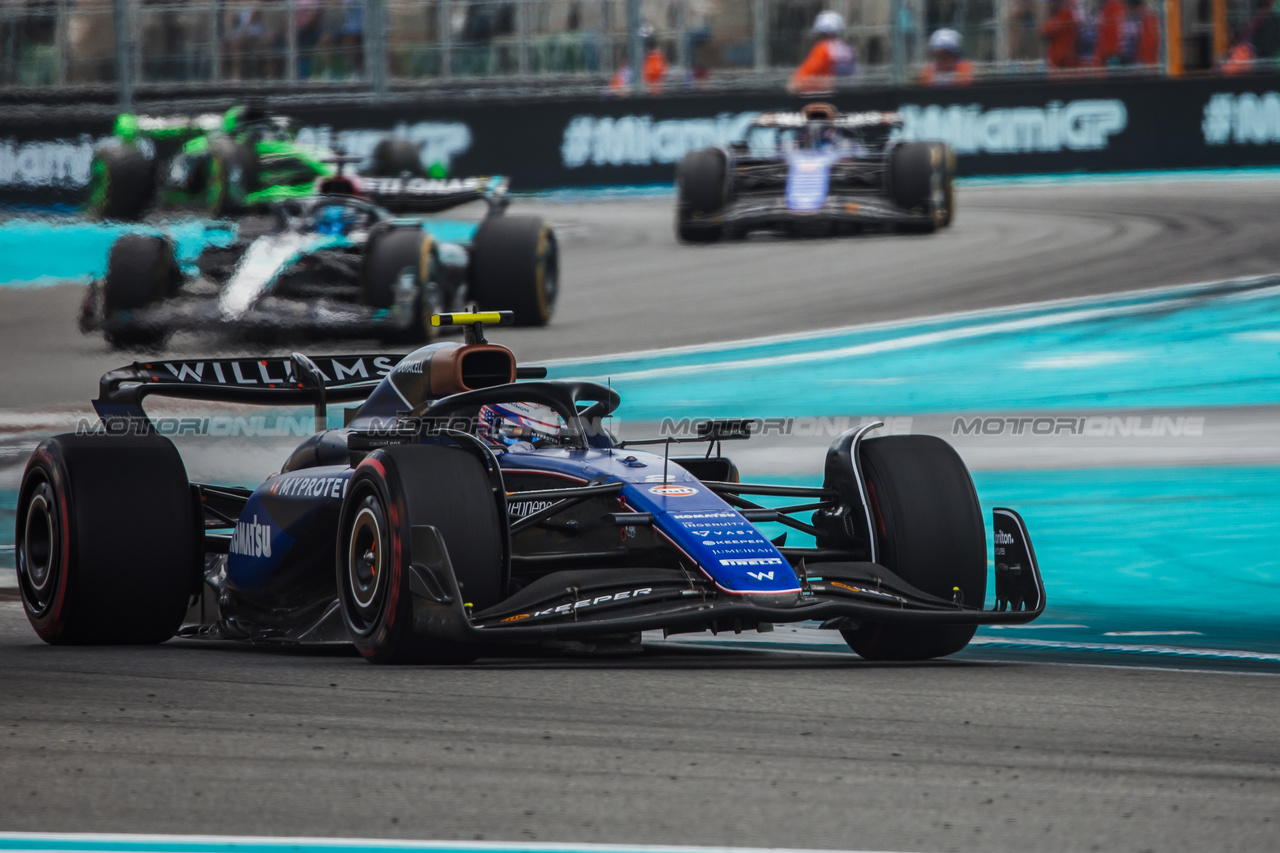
[[700, 194], [919, 181], [515, 266], [391, 491], [929, 528], [142, 270]]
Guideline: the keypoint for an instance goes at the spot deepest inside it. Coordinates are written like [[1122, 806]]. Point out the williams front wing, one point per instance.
[[631, 602]]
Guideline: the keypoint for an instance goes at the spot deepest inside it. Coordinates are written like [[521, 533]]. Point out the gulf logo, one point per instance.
[[670, 491]]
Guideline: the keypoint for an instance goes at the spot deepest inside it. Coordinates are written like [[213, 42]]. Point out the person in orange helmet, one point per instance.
[[1061, 32], [1239, 60], [946, 68], [831, 57]]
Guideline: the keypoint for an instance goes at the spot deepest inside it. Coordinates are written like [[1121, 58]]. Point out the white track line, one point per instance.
[[14, 841]]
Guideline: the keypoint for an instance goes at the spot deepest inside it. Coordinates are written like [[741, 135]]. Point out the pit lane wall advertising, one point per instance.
[[998, 129]]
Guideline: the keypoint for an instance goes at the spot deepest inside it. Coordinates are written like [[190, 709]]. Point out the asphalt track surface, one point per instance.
[[1015, 751]]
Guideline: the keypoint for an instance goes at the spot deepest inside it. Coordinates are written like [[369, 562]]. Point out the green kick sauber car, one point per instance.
[[222, 164]]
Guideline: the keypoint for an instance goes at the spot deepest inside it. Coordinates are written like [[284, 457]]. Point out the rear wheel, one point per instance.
[[400, 261], [929, 526], [122, 183], [393, 158], [515, 266], [106, 540], [142, 269], [390, 492], [700, 194], [233, 171]]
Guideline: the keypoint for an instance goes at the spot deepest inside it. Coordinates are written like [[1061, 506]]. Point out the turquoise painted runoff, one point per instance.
[[1209, 345], [40, 252], [36, 252]]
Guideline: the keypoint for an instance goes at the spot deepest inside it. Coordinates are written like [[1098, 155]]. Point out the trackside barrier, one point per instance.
[[1009, 129]]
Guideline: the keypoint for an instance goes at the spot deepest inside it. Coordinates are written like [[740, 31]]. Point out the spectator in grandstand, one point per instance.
[[308, 19], [349, 37], [1061, 33], [1023, 42], [1144, 28], [654, 69], [1126, 35], [246, 41], [831, 57], [946, 67]]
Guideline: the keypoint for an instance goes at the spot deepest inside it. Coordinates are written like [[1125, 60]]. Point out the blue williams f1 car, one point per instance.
[[335, 264], [816, 172], [470, 504]]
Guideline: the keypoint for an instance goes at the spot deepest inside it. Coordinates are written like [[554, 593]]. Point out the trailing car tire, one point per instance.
[[233, 173], [122, 183], [929, 526], [391, 491], [108, 541], [390, 256], [394, 157], [950, 167], [915, 176], [515, 266], [142, 269], [699, 193]]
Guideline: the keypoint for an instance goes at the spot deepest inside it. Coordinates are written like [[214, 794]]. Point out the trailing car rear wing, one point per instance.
[[430, 195], [872, 118]]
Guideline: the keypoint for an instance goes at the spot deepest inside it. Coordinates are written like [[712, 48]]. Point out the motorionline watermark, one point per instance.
[[1087, 426], [213, 426], [797, 427]]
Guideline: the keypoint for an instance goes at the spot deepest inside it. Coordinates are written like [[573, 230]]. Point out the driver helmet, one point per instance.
[[335, 219], [829, 23], [519, 425]]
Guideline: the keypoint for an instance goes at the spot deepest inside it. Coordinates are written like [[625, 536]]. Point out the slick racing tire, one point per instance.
[[395, 158], [515, 266], [917, 181], [142, 269], [400, 257], [950, 167], [122, 183], [233, 174], [392, 490], [108, 540], [700, 193], [929, 525]]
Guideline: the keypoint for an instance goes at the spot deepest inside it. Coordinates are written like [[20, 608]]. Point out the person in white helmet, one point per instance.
[[946, 66], [831, 57]]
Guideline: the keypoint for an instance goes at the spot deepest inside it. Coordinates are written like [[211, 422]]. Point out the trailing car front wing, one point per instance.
[[760, 211]]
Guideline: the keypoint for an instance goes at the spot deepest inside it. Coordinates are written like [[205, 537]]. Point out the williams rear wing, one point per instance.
[[278, 380]]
